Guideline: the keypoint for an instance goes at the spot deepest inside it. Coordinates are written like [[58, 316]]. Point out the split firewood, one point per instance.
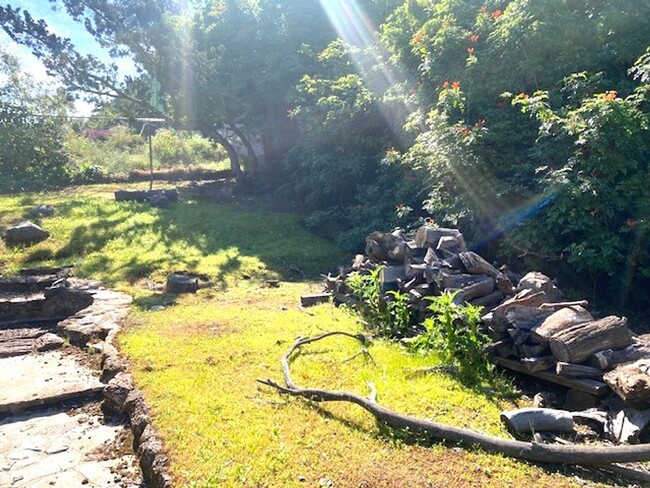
[[631, 382], [525, 318], [576, 343], [559, 305], [626, 426], [558, 321], [525, 298], [578, 371], [480, 288], [609, 358], [427, 236], [541, 363], [488, 301], [537, 281], [502, 348], [475, 264], [526, 420], [572, 454]]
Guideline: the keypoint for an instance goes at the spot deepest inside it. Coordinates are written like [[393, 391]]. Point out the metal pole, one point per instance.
[[150, 160]]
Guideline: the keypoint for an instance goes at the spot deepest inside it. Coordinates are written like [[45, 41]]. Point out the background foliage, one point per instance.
[[524, 123]]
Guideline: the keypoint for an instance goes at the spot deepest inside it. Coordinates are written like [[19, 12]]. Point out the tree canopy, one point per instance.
[[523, 122]]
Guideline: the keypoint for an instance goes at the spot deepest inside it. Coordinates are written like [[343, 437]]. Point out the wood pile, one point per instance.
[[532, 330]]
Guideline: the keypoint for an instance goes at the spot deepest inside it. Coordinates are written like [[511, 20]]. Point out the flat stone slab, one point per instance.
[[60, 449], [44, 379]]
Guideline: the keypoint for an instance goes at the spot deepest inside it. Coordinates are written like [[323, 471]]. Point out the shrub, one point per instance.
[[453, 333]]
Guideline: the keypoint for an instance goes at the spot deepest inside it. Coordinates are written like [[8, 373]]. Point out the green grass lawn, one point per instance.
[[198, 358]]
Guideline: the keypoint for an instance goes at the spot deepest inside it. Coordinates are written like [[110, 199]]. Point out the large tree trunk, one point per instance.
[[577, 343], [232, 154], [254, 161]]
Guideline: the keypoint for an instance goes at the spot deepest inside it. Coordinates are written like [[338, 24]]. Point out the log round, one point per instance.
[[527, 420], [575, 344]]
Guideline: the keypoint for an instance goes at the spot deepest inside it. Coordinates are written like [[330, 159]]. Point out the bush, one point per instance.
[[453, 333]]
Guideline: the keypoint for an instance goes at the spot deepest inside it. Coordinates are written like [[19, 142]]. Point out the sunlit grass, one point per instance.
[[124, 242], [197, 360]]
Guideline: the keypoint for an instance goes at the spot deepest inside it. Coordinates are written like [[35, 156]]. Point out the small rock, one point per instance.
[[57, 449], [43, 210]]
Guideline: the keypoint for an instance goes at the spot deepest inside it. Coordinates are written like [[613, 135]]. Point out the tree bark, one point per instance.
[[558, 321], [578, 371], [585, 455], [609, 358], [232, 154], [254, 161], [527, 420], [577, 343]]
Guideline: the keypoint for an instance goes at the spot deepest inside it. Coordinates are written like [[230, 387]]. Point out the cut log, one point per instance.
[[578, 371], [525, 318], [532, 350], [575, 344], [558, 321], [609, 358], [488, 301], [427, 236], [475, 264], [386, 247], [519, 336], [477, 289], [626, 426], [631, 382], [541, 363], [502, 348], [537, 281], [527, 420], [593, 387], [315, 299]]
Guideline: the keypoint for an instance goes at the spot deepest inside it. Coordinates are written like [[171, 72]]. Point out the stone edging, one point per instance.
[[101, 322]]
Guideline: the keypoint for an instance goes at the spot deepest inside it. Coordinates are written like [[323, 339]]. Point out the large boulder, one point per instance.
[[25, 233]]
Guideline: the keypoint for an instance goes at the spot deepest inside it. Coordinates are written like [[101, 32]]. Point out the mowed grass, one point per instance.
[[198, 358], [122, 243]]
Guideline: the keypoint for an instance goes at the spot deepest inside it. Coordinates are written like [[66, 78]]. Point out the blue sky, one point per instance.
[[63, 26]]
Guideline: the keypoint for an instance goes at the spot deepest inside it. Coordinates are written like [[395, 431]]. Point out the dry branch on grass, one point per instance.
[[531, 451]]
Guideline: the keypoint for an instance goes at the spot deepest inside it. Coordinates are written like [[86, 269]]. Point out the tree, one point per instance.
[[31, 155]]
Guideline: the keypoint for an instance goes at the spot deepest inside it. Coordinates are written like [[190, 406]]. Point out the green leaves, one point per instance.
[[453, 333]]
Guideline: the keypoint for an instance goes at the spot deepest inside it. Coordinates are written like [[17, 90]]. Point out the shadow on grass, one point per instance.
[[396, 437], [180, 237]]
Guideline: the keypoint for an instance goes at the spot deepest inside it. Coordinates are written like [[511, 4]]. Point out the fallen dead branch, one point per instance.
[[531, 451]]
